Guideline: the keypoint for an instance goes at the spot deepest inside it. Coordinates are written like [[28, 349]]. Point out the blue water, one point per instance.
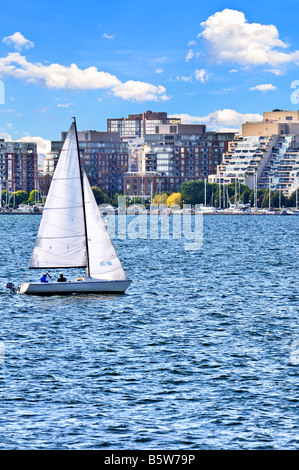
[[201, 353]]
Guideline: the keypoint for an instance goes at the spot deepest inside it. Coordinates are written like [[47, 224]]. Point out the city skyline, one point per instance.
[[217, 64]]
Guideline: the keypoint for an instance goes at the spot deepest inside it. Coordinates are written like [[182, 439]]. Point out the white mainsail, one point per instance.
[[103, 260], [60, 240], [72, 234]]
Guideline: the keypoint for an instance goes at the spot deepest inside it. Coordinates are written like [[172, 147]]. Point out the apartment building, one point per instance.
[[50, 162], [104, 157], [164, 165], [139, 125], [18, 166], [265, 154]]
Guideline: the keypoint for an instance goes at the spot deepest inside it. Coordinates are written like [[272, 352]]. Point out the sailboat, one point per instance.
[[72, 233]]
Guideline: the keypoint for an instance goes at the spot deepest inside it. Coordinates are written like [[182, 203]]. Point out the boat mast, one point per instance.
[[83, 201]]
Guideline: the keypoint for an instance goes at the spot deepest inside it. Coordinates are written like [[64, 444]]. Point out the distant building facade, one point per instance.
[[18, 166], [163, 164], [139, 125], [104, 157], [50, 162], [144, 154]]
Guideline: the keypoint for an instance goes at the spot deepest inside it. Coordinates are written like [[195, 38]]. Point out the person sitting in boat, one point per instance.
[[44, 277], [61, 278]]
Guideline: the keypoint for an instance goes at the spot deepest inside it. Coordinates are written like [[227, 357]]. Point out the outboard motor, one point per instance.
[[11, 287]]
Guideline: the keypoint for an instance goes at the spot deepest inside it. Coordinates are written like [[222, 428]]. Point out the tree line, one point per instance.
[[223, 195], [17, 198], [210, 194], [193, 192]]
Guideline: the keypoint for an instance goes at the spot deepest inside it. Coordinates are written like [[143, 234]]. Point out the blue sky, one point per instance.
[[216, 62]]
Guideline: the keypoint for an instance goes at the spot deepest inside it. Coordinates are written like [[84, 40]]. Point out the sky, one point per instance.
[[218, 63]]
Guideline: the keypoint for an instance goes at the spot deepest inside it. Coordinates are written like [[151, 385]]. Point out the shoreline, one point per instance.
[[180, 213]]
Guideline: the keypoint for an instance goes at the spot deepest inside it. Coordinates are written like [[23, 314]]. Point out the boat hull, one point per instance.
[[91, 286]]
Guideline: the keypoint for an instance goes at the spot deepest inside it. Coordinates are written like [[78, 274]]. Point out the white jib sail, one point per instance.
[[61, 237], [103, 260]]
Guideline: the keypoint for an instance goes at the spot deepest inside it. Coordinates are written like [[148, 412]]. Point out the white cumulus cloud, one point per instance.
[[55, 75], [189, 56], [202, 75], [5, 135], [139, 91], [185, 79], [108, 36], [72, 77], [264, 87], [274, 71], [231, 38], [43, 145], [18, 41], [221, 120], [63, 105]]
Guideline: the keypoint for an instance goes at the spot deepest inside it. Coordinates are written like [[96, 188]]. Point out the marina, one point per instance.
[[204, 210]]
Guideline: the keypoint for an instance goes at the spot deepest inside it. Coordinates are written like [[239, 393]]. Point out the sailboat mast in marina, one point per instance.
[[72, 233]]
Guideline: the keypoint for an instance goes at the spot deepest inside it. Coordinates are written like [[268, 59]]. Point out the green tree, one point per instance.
[[278, 199], [100, 196], [265, 202], [34, 197], [192, 192], [291, 202], [19, 197], [114, 201], [3, 196], [197, 192], [245, 195], [261, 195]]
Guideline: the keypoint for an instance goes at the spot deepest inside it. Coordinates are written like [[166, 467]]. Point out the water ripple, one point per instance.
[[201, 353]]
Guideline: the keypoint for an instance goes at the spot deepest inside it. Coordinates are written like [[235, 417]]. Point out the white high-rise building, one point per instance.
[[265, 155]]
